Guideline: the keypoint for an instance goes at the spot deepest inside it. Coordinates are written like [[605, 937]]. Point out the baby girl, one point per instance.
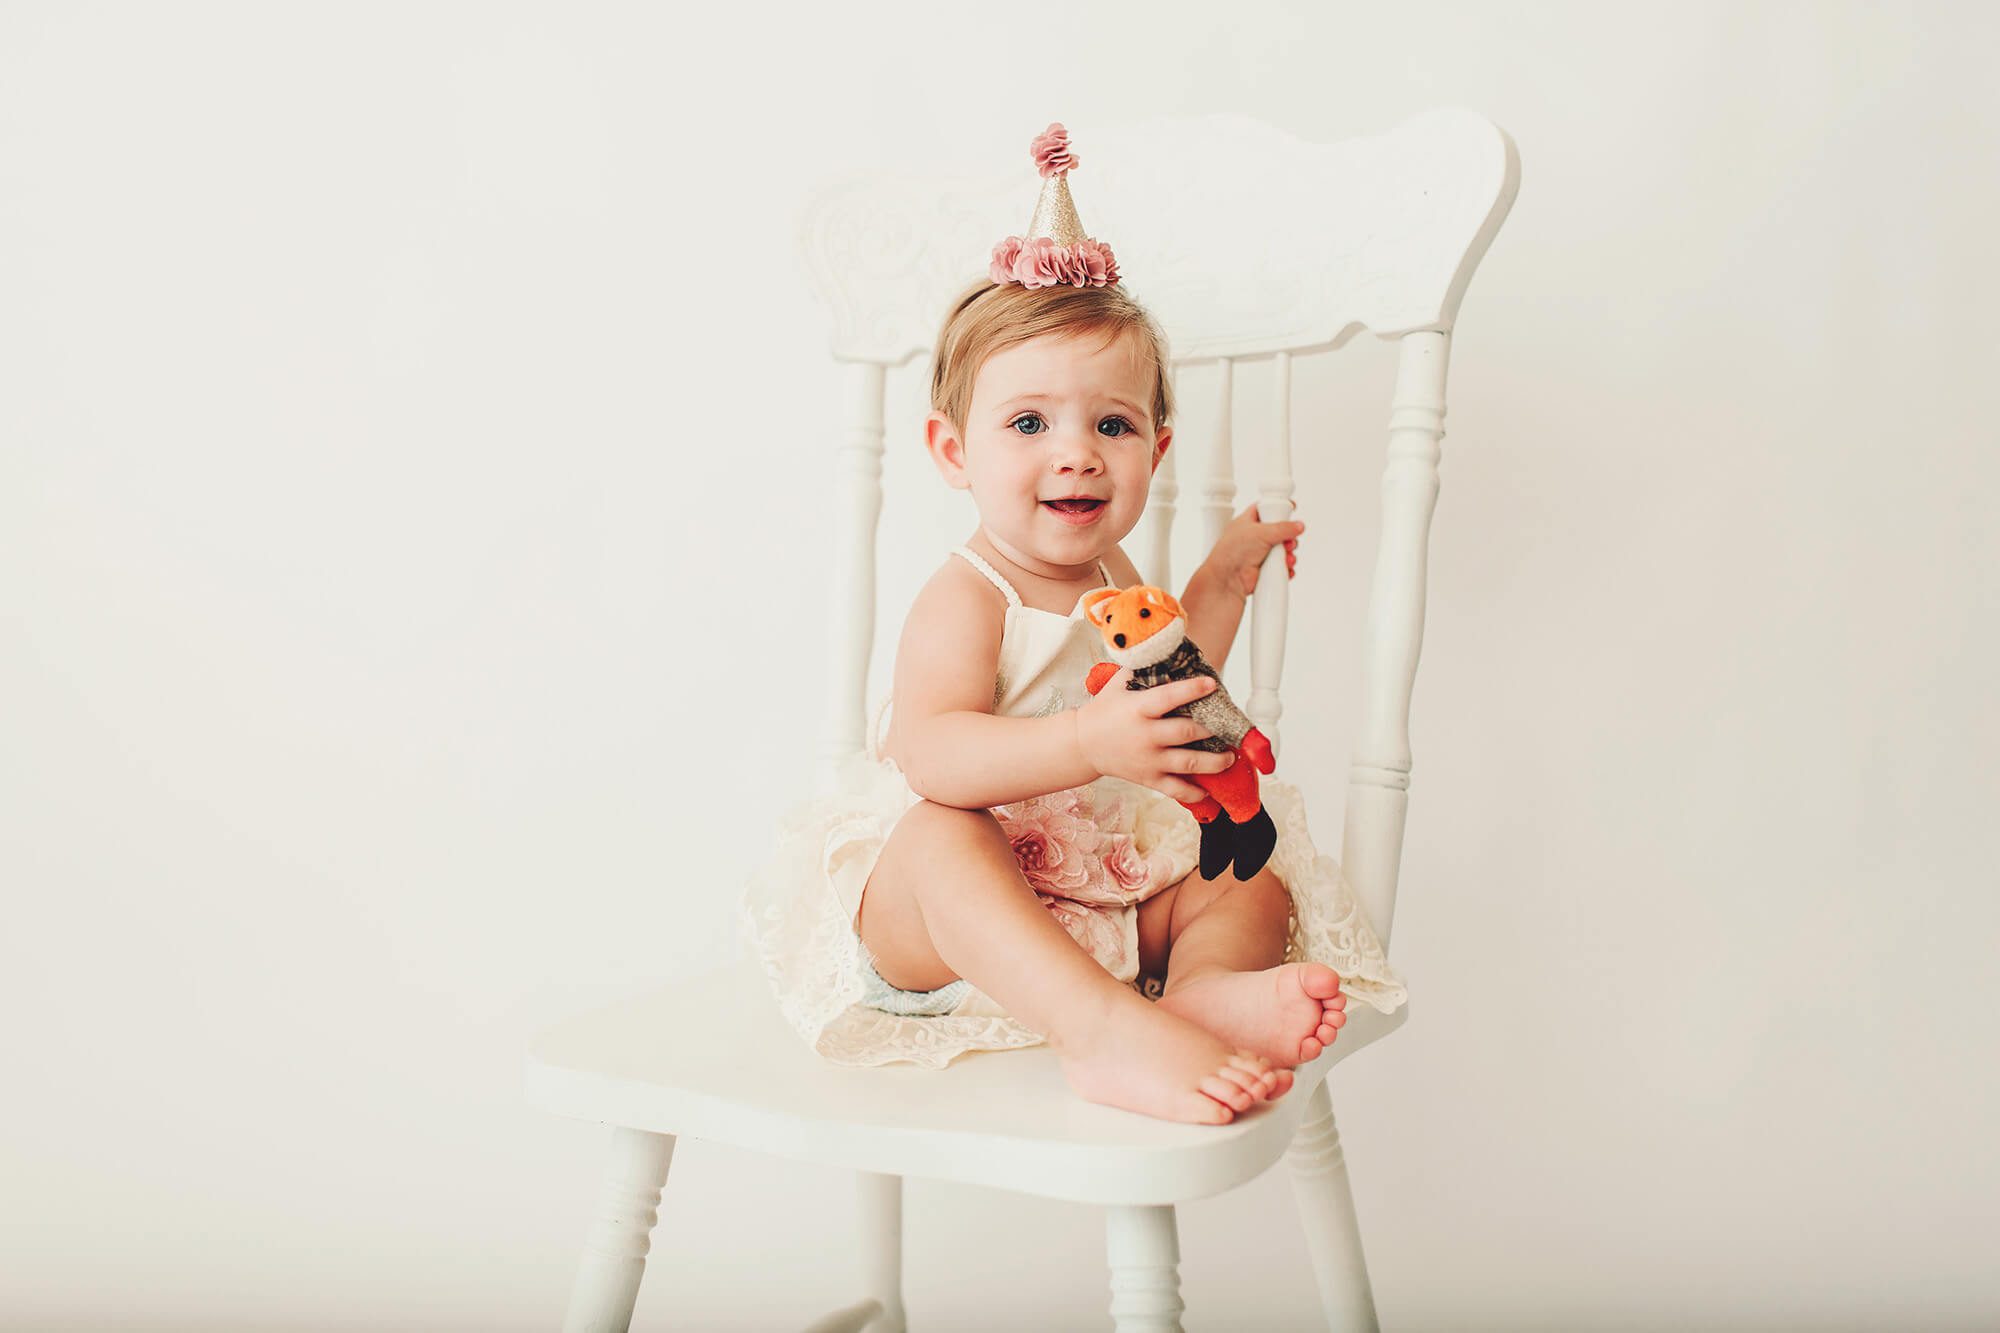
[[1049, 406], [1014, 866]]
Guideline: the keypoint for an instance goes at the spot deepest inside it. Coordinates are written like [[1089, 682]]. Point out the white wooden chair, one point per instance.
[[1246, 243]]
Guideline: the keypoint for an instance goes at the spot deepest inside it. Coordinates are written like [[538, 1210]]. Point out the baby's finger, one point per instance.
[[1200, 761], [1184, 792], [1164, 698], [1180, 730]]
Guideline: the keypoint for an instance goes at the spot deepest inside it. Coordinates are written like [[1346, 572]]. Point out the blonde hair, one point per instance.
[[988, 318]]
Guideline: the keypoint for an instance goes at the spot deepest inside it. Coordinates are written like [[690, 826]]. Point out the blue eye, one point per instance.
[[1124, 427]]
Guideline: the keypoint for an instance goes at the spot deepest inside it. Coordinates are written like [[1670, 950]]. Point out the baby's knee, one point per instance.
[[948, 823], [934, 810], [1265, 888]]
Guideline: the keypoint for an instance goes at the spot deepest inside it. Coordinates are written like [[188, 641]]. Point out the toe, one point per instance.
[[1335, 1017], [1337, 1002], [1226, 1092], [1256, 1064], [1208, 1111], [1326, 1035], [1253, 1084], [1284, 1083], [1319, 981], [1310, 1047]]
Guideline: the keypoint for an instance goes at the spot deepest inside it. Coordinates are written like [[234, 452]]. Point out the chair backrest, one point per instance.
[[1318, 241]]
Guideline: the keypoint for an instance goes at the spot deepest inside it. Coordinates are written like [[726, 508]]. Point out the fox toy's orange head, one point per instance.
[[1140, 624]]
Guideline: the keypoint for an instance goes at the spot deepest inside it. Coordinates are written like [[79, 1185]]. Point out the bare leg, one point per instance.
[[1225, 945], [946, 899]]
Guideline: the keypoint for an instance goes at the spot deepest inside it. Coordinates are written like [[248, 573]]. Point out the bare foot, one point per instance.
[[1288, 1014], [1135, 1056]]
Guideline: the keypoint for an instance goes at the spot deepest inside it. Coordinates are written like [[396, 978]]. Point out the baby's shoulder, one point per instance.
[[955, 612], [959, 591], [950, 646]]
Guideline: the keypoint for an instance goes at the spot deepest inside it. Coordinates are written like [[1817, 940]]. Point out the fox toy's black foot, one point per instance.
[[1218, 845], [1254, 841]]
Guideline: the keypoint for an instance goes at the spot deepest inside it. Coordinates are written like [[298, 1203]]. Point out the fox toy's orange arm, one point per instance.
[[1099, 675]]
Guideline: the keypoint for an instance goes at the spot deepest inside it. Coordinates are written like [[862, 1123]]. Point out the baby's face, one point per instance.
[[1055, 417]]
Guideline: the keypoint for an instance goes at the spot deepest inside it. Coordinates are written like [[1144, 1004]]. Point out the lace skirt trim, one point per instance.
[[1091, 860]]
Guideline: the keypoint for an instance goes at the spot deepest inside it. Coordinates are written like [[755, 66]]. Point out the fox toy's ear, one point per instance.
[[1097, 604], [1163, 599]]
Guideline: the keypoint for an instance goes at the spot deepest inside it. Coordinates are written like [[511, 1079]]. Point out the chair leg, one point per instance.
[[614, 1250], [1326, 1211], [1143, 1246], [881, 1200]]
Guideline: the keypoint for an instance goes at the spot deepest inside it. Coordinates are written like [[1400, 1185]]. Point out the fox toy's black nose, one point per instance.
[[1118, 639]]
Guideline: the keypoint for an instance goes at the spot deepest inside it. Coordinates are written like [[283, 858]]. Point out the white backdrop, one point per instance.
[[401, 404]]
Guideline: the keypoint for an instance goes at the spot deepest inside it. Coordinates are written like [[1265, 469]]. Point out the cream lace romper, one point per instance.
[[1092, 854]]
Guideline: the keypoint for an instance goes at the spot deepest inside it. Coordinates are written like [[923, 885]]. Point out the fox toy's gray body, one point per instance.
[[1241, 848], [1214, 710]]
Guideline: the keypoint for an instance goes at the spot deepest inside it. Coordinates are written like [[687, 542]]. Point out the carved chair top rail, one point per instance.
[[1243, 239]]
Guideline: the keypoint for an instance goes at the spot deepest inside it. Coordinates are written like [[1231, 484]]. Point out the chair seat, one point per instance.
[[711, 1057]]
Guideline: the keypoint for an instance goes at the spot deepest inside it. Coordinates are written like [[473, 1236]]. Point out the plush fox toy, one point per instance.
[[1145, 629]]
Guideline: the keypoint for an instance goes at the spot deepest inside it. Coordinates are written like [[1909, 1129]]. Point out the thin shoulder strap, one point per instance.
[[992, 574], [1104, 573]]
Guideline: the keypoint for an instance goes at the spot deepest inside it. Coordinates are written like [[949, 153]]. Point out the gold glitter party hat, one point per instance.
[[1055, 249], [1055, 213]]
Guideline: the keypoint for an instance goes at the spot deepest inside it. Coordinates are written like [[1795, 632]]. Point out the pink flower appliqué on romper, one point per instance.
[[1079, 870], [1125, 867]]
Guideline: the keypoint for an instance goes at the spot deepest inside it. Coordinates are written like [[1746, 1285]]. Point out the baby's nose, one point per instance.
[[1077, 455]]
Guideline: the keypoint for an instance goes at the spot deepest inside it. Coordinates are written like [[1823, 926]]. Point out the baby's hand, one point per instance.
[[1238, 558], [1122, 733]]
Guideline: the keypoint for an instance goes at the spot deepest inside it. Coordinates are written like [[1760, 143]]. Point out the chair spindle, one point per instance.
[[851, 609], [1219, 489], [1166, 490], [1270, 606], [1393, 636]]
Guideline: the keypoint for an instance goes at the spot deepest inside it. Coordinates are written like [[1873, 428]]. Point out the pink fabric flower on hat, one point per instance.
[[1051, 150], [1042, 263], [1001, 269]]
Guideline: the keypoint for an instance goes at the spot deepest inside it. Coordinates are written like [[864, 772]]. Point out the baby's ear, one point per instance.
[[1097, 604], [1163, 599]]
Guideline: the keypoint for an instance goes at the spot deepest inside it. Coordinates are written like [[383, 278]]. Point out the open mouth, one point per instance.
[[1075, 506]]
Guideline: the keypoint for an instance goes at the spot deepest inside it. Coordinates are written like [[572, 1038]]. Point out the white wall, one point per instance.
[[384, 388]]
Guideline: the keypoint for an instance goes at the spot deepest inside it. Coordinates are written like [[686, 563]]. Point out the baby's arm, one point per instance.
[[942, 730]]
